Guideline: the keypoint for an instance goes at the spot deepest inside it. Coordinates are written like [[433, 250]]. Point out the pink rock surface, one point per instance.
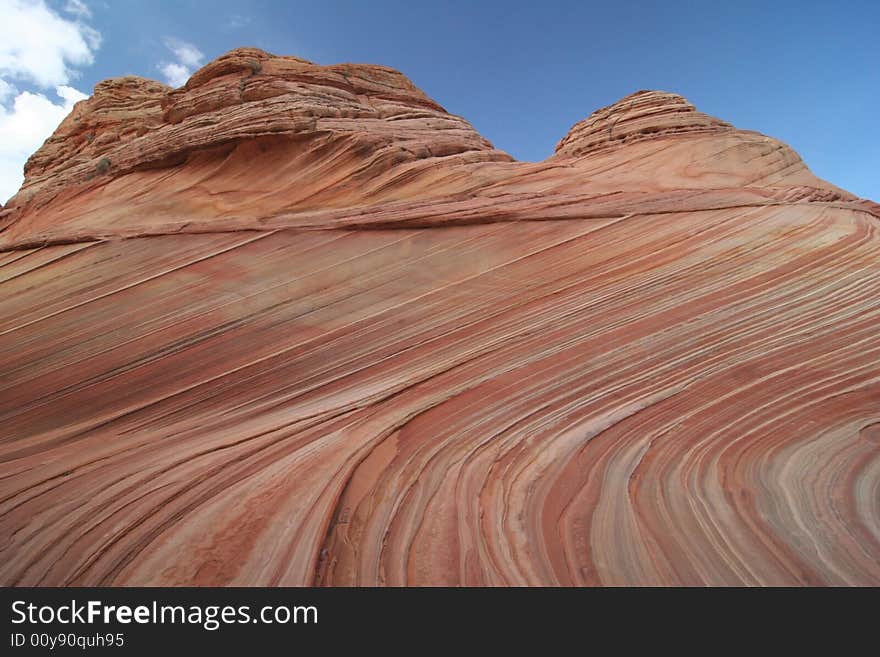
[[295, 324]]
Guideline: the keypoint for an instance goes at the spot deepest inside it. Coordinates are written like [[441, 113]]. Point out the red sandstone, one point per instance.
[[296, 324]]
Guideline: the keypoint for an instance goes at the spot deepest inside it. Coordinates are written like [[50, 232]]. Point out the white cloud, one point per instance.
[[38, 48], [23, 129], [188, 58], [70, 95], [78, 8], [6, 90], [41, 47], [187, 53], [175, 74], [237, 21]]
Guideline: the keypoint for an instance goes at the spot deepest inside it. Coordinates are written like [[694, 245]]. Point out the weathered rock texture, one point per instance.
[[295, 324]]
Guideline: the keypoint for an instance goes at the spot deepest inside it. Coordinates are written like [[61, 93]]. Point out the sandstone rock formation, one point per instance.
[[296, 324]]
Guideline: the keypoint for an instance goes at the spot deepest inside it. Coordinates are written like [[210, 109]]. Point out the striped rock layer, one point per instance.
[[295, 324]]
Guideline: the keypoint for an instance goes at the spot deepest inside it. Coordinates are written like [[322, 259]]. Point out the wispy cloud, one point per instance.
[[78, 8], [237, 21], [44, 50], [188, 58]]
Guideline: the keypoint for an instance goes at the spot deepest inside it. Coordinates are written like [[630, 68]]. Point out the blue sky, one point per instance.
[[522, 72]]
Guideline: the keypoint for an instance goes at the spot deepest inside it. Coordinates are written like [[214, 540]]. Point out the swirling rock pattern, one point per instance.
[[308, 328]]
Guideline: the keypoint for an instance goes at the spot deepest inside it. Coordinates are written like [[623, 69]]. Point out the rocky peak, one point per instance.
[[637, 117], [326, 126], [119, 110]]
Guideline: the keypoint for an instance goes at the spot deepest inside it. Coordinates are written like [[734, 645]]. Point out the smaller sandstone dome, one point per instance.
[[639, 116], [129, 85]]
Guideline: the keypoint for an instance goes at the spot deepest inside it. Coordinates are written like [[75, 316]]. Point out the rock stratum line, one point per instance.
[[295, 324]]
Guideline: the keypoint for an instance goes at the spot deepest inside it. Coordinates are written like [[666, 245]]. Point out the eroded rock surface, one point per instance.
[[296, 324]]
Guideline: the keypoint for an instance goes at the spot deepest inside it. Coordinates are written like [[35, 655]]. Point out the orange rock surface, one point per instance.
[[295, 324]]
